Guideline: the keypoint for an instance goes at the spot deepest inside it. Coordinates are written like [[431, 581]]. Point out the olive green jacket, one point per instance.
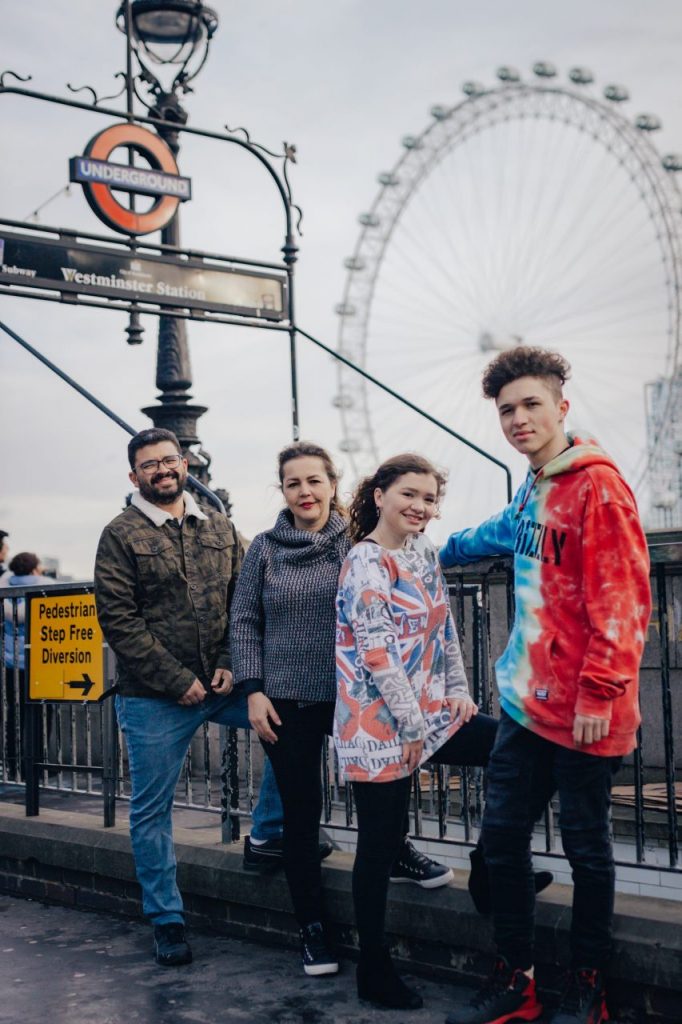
[[163, 595]]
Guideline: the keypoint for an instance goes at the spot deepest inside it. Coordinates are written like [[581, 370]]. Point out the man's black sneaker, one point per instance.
[[584, 1000], [315, 953], [416, 867], [268, 856], [171, 948], [479, 883], [509, 995]]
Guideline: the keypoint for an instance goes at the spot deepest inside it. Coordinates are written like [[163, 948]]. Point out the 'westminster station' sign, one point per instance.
[[98, 271]]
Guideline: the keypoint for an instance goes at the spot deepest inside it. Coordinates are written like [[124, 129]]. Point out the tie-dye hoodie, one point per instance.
[[581, 573]]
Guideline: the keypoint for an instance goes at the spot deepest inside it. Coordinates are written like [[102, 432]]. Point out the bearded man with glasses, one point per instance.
[[165, 572]]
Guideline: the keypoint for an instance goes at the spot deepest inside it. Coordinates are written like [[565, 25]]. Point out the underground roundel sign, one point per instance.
[[101, 177]]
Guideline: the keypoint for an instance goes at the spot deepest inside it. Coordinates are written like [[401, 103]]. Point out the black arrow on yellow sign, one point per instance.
[[85, 684]]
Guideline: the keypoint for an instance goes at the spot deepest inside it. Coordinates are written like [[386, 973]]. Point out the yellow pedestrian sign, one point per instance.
[[65, 660]]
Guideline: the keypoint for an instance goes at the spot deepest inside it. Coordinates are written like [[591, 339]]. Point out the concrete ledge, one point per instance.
[[68, 858]]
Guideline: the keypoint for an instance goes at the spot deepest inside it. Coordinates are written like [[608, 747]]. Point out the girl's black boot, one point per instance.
[[379, 983]]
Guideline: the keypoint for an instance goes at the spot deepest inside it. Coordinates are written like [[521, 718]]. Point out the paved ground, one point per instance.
[[62, 966]]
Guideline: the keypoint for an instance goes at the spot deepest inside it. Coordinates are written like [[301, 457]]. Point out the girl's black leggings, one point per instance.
[[381, 810]]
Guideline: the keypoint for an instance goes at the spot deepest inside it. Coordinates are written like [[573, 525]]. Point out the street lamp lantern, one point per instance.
[[174, 33]]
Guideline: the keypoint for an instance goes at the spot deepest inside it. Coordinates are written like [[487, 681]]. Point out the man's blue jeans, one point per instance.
[[158, 732], [524, 772]]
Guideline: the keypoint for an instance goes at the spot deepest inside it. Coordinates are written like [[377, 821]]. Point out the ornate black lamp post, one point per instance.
[[173, 36]]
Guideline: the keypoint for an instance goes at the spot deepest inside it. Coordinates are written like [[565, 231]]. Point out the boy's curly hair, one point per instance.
[[524, 361]]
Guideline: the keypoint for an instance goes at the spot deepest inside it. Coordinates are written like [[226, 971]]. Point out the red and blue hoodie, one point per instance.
[[583, 600]]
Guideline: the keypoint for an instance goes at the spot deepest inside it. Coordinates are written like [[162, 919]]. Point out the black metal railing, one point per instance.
[[76, 747]]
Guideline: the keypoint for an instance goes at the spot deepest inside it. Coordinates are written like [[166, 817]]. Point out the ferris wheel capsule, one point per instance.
[[507, 74], [473, 89], [616, 93], [354, 263], [664, 499], [543, 69], [411, 142], [345, 309], [439, 112], [648, 123], [581, 76], [349, 445], [672, 161], [388, 178], [369, 220], [343, 401]]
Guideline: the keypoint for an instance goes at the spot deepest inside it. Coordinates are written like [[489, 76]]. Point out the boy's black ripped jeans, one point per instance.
[[524, 772]]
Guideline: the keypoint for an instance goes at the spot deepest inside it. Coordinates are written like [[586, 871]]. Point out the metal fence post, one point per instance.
[[229, 777], [667, 710], [109, 744], [32, 757]]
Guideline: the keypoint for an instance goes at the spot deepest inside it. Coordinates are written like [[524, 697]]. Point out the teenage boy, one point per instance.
[[568, 682]]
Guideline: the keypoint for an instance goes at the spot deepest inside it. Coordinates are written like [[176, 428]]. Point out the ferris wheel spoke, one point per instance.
[[530, 242], [607, 226], [458, 299], [448, 299], [620, 306], [579, 283], [482, 237], [402, 314], [563, 259], [423, 207], [427, 377], [630, 340], [432, 375], [492, 278], [420, 309], [589, 186], [571, 158], [457, 270], [582, 299]]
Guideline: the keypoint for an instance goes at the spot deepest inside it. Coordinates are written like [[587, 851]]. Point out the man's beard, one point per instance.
[[151, 492]]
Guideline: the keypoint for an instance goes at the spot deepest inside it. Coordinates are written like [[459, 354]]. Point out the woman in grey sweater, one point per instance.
[[283, 632]]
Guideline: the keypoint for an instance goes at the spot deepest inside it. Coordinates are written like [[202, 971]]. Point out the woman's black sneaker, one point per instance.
[[171, 948], [509, 995], [315, 953], [416, 867], [269, 856]]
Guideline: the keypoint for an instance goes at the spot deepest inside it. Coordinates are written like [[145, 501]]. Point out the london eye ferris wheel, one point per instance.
[[532, 212]]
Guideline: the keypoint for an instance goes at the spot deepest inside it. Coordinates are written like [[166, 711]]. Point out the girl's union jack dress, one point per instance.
[[397, 659]]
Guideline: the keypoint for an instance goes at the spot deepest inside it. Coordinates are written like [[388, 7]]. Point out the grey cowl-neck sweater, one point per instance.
[[283, 616]]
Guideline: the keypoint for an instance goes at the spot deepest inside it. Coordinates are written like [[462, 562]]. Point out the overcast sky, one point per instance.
[[344, 81]]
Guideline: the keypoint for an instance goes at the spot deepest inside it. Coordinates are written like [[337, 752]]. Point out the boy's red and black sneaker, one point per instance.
[[584, 1001], [509, 995]]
